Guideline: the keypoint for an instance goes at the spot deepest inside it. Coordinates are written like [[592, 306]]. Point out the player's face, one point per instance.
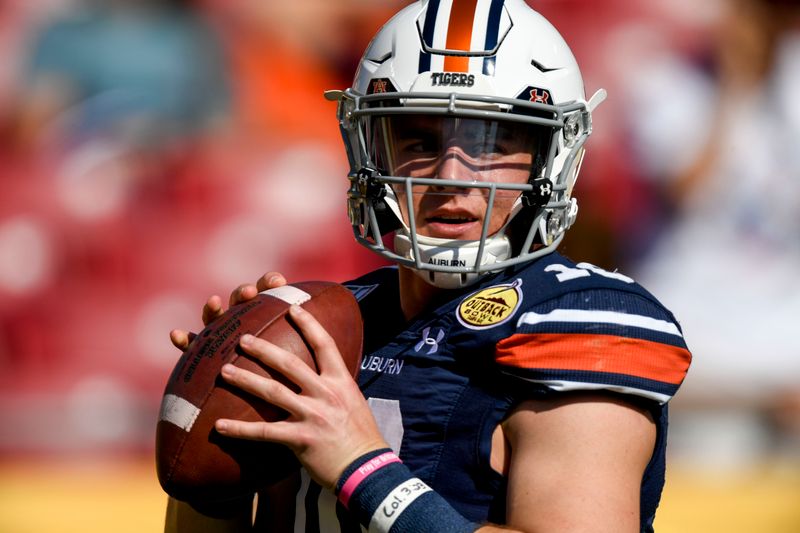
[[457, 149]]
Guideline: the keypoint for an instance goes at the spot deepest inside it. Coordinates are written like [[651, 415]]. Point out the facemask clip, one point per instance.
[[368, 185], [540, 195]]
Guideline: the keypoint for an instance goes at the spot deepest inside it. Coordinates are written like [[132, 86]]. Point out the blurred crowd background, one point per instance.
[[154, 152]]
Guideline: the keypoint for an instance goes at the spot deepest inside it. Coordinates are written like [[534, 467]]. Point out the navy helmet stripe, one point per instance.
[[488, 66], [492, 34], [427, 35], [424, 62]]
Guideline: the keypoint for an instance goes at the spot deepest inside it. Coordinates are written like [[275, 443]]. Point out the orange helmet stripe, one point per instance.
[[459, 34]]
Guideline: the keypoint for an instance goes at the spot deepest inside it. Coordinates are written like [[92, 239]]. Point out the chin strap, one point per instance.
[[452, 253]]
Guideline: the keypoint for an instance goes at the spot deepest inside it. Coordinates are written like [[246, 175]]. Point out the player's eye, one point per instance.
[[489, 149], [421, 145]]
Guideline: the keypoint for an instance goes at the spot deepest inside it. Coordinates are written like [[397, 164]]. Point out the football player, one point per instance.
[[502, 384]]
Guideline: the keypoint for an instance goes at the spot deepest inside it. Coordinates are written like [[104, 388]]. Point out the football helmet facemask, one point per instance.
[[484, 73]]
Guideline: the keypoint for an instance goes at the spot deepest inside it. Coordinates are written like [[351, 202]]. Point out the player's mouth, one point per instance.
[[453, 226]]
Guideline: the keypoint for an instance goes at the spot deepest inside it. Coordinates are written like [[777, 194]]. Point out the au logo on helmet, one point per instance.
[[491, 306], [380, 85]]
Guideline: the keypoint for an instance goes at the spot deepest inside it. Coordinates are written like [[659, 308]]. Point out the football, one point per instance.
[[196, 464]]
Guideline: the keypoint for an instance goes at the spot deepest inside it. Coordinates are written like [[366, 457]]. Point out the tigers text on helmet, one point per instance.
[[477, 73]]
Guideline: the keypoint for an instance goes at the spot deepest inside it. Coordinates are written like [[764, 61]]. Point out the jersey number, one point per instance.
[[583, 270], [390, 421]]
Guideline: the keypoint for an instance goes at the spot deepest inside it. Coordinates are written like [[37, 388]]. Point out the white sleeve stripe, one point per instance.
[[565, 386], [604, 317]]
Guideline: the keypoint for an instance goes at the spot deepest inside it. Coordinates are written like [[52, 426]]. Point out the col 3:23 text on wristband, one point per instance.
[[381, 491]]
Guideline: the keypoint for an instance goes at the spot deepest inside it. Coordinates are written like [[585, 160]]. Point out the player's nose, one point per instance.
[[453, 165]]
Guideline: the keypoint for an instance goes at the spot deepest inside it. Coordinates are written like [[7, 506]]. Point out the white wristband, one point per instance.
[[395, 503]]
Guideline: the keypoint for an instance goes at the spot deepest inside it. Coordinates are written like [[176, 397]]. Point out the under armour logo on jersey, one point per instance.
[[430, 342]]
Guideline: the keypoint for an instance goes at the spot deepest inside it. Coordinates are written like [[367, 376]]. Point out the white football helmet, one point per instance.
[[481, 64]]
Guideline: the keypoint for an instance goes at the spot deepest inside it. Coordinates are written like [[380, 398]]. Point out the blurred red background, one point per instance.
[[153, 153]]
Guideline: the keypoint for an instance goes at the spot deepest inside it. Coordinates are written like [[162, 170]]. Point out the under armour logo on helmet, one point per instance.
[[538, 97], [427, 340], [379, 86], [540, 199]]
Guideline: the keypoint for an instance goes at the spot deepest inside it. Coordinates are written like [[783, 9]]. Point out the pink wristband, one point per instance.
[[362, 472]]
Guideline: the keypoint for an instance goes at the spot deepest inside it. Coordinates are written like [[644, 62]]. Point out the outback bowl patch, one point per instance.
[[491, 306]]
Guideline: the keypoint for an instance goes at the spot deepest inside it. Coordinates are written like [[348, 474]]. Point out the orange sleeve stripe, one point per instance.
[[596, 353], [459, 34]]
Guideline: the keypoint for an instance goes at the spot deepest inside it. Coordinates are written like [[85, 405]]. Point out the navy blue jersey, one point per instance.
[[440, 385]]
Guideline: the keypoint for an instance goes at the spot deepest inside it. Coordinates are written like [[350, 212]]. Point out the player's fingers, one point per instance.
[[327, 353], [268, 389], [270, 280], [181, 339], [280, 432], [283, 361], [242, 293], [212, 309]]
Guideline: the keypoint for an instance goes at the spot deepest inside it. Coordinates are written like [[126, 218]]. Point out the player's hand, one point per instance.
[[329, 424], [213, 307]]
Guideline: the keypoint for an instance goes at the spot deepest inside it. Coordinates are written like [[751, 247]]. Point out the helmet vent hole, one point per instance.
[[538, 66], [382, 59]]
